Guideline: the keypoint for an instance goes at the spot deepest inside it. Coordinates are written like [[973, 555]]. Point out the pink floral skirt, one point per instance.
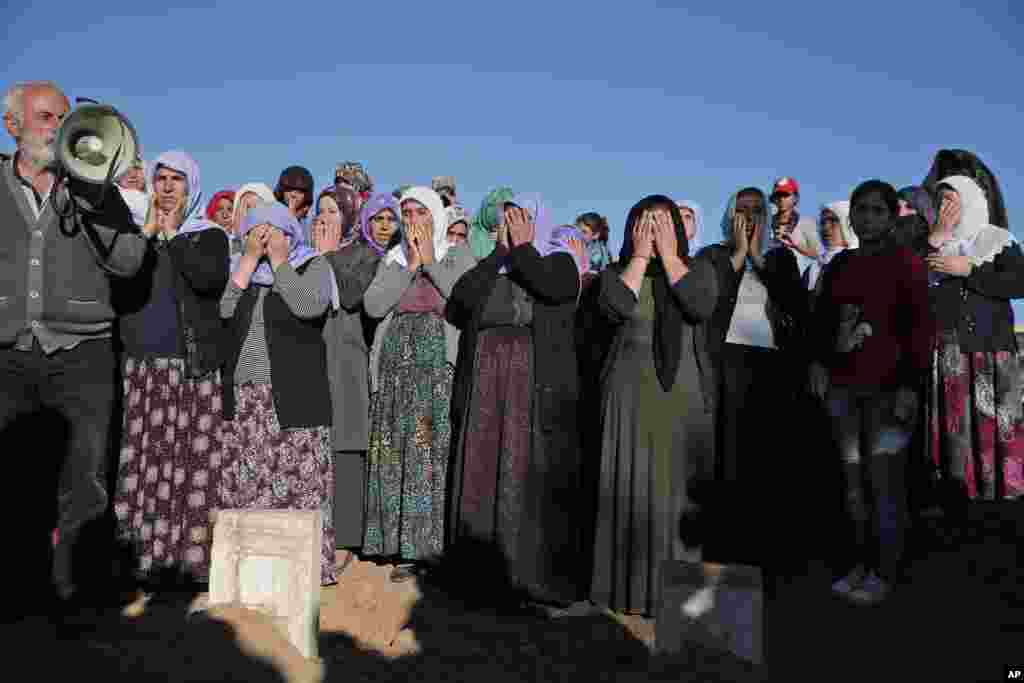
[[975, 422], [170, 464], [270, 468]]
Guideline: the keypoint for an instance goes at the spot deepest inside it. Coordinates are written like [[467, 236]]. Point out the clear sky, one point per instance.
[[595, 105]]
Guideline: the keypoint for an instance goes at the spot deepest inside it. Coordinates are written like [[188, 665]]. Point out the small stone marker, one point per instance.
[[269, 561], [718, 606]]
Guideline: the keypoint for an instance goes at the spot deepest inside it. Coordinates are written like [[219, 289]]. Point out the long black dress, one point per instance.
[[654, 443], [514, 510]]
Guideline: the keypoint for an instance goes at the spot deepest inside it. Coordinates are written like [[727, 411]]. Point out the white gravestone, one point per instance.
[[717, 606], [269, 561]]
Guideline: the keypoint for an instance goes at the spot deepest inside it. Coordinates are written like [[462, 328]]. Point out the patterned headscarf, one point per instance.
[[353, 173], [483, 231]]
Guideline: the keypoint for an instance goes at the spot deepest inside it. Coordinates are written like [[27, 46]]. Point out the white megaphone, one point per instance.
[[96, 144]]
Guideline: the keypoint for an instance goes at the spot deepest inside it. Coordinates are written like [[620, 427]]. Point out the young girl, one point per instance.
[[872, 330]]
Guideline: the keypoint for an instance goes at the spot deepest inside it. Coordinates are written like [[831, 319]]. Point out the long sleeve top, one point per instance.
[[891, 291], [307, 296]]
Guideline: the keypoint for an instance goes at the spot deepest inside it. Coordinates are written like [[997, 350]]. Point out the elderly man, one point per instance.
[[56, 315]]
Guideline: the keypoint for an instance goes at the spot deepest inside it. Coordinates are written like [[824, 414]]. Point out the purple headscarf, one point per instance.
[[371, 208], [277, 215], [177, 160], [545, 239], [560, 238]]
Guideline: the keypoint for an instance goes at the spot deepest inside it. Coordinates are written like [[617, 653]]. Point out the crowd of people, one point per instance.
[[434, 380]]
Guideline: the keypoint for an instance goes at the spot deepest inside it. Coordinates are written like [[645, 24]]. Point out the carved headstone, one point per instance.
[[268, 561], [718, 606]]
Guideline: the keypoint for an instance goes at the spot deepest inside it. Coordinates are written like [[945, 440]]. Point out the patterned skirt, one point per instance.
[[274, 469], [975, 425], [170, 464], [410, 433]]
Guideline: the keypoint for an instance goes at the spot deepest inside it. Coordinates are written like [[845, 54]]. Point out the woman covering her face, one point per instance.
[[171, 453], [348, 334], [657, 420], [412, 364], [277, 400], [248, 196], [871, 336], [753, 342], [514, 402], [975, 439]]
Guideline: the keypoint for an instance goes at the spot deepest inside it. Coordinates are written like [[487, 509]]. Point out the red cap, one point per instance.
[[786, 185]]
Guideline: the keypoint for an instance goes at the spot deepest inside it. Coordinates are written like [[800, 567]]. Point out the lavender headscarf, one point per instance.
[[545, 241], [194, 217], [371, 208], [277, 215]]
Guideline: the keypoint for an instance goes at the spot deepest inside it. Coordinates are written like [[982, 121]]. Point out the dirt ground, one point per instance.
[[958, 616]]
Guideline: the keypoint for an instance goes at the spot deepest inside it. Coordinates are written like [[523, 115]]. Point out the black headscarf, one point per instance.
[[949, 162], [668, 316]]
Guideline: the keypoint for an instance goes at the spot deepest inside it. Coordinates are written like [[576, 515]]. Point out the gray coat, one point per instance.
[[348, 333]]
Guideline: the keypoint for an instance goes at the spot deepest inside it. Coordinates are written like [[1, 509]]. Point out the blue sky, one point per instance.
[[592, 105]]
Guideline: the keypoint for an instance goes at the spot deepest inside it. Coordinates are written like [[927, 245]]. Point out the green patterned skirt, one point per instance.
[[410, 433]]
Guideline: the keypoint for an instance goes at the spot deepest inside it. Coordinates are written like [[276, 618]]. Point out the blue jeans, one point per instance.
[[872, 439]]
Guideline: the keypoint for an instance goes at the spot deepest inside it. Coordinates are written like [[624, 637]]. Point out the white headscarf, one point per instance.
[[842, 212], [826, 254], [431, 200], [259, 189], [973, 236]]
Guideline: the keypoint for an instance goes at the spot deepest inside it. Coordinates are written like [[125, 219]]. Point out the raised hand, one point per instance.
[[643, 237], [959, 266], [665, 240], [256, 242], [424, 232], [740, 228], [577, 248], [521, 228], [276, 248], [949, 214]]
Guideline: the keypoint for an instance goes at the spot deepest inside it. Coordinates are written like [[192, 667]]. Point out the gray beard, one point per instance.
[[40, 157]]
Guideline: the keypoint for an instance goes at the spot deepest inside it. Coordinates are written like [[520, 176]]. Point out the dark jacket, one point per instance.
[[978, 306], [200, 269], [553, 284], [788, 299], [298, 363], [348, 334]]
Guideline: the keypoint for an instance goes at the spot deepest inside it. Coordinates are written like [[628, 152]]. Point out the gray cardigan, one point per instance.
[[390, 284]]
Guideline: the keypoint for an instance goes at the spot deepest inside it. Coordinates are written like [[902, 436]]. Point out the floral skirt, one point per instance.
[[170, 464], [278, 469], [410, 434], [975, 425]]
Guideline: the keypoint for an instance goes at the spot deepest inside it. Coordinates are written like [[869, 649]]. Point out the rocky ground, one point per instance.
[[959, 616]]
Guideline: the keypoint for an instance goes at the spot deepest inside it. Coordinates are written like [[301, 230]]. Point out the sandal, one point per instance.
[[403, 573], [340, 567]]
